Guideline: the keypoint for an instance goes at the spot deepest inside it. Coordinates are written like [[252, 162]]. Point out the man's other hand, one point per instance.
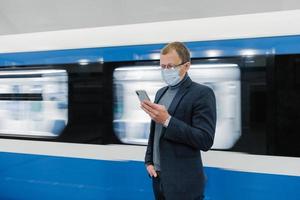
[[151, 171]]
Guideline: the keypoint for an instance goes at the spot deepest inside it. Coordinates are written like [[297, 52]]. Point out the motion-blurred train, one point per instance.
[[71, 126]]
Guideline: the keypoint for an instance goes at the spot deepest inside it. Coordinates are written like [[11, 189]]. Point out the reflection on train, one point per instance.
[[33, 102]]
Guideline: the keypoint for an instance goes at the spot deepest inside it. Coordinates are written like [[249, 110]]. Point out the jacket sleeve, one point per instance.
[[149, 151], [200, 134]]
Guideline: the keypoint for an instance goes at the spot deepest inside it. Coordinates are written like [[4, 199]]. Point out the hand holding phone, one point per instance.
[[157, 112], [142, 95]]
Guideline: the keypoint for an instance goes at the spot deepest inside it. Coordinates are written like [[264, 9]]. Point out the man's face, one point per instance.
[[172, 59]]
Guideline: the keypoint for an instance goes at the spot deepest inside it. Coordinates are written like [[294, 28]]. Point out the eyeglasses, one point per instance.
[[172, 66]]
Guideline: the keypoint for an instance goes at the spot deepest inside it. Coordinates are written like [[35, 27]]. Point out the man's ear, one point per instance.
[[187, 65]]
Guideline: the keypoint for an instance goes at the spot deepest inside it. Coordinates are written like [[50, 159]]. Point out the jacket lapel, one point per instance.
[[181, 92]]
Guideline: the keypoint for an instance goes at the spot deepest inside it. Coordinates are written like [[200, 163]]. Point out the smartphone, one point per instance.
[[142, 94]]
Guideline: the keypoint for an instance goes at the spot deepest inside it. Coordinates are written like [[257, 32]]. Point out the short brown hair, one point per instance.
[[182, 51]]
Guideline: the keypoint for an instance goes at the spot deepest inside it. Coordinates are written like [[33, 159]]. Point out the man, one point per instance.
[[183, 123]]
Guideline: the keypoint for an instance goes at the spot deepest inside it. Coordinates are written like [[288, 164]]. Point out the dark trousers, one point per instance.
[[158, 188]]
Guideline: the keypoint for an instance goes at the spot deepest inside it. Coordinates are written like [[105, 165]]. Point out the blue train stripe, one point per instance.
[[31, 177], [234, 47]]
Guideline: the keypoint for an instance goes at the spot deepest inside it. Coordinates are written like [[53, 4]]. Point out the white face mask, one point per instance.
[[170, 76]]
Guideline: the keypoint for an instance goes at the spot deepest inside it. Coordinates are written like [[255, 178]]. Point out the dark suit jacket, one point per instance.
[[191, 129]]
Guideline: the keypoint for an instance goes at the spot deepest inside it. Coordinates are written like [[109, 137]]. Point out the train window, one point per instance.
[[224, 79], [284, 109], [132, 125], [33, 103]]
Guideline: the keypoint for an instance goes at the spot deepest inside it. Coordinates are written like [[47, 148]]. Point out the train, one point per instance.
[[71, 126]]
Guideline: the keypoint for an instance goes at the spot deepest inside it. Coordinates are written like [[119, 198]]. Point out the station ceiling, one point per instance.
[[26, 16]]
